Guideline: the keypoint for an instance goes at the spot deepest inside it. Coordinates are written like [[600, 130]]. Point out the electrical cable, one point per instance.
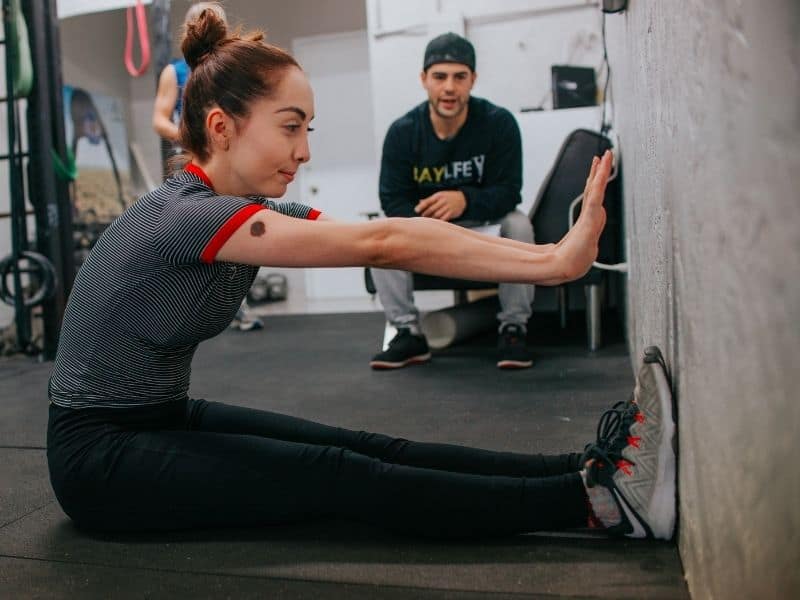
[[604, 125], [619, 267]]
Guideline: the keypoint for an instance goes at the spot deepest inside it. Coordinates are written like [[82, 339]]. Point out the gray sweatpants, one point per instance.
[[396, 288]]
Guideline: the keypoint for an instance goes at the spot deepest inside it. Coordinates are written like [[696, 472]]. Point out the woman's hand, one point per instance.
[[578, 249]]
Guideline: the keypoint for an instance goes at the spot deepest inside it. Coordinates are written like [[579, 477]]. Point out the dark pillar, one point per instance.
[[48, 194]]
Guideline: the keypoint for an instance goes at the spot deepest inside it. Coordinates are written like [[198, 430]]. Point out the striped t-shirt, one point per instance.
[[150, 292]]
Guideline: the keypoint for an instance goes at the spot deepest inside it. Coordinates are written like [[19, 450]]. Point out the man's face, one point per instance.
[[448, 86]]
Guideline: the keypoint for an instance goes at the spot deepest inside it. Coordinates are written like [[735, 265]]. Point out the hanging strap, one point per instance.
[[144, 41], [67, 170], [19, 50]]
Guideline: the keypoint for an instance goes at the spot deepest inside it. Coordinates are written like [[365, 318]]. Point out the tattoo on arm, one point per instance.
[[257, 229]]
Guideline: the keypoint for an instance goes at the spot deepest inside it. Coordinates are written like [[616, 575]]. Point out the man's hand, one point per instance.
[[444, 206]]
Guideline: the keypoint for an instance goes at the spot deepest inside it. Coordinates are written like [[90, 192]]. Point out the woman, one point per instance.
[[171, 81], [166, 118], [128, 449]]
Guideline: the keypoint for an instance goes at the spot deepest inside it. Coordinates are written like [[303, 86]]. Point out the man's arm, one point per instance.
[[397, 188], [499, 193]]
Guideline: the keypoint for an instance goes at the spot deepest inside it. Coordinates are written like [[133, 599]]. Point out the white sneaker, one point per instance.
[[634, 456]]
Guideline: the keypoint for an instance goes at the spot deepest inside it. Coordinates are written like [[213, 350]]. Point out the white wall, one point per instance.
[[516, 42], [341, 178]]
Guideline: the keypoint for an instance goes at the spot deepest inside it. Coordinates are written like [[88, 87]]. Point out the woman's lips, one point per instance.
[[289, 176]]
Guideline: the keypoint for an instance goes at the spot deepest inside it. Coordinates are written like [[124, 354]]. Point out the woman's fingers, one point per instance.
[[596, 160], [596, 188], [592, 171]]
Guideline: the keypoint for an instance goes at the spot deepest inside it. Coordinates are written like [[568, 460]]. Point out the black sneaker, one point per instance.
[[634, 456], [404, 349], [512, 352]]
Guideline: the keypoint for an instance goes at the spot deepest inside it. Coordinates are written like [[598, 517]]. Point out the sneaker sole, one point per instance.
[[382, 365], [664, 503], [659, 512], [514, 364]]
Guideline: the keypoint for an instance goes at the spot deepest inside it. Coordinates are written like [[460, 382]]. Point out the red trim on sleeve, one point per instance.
[[197, 171], [224, 233], [313, 214]]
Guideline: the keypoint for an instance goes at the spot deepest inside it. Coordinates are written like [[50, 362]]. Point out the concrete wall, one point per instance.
[[708, 111]]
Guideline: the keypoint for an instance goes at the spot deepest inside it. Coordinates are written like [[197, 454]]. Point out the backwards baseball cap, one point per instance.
[[449, 48]]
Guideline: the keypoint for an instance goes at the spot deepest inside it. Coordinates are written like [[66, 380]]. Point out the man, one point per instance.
[[456, 158]]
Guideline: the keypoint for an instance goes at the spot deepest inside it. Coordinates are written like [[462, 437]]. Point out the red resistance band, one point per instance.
[[144, 40]]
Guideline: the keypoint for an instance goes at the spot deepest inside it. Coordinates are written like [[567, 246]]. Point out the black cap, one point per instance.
[[449, 48]]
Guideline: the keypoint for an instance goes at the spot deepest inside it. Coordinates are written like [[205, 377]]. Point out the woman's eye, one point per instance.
[[293, 127]]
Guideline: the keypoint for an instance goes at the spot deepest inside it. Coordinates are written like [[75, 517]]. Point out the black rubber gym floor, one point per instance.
[[316, 367]]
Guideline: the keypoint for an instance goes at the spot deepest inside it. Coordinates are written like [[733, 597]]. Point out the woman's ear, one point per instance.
[[220, 128]]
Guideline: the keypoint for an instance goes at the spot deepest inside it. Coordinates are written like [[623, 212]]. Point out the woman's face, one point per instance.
[[272, 142]]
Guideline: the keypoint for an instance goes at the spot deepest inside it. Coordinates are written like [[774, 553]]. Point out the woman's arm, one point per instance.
[[166, 98], [418, 244], [423, 245]]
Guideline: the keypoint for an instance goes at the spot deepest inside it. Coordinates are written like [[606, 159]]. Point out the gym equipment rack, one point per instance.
[[46, 193]]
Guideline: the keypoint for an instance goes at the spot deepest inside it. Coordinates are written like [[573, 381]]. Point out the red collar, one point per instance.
[[195, 170]]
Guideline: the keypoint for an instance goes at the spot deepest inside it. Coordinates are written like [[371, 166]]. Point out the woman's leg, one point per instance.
[[169, 479], [212, 416]]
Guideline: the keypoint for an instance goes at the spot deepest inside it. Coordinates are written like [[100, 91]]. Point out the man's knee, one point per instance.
[[391, 278], [516, 226]]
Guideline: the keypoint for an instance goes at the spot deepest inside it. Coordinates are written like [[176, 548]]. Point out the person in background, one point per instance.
[[456, 158], [166, 118]]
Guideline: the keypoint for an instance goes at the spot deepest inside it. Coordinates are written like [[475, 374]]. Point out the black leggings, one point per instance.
[[197, 464]]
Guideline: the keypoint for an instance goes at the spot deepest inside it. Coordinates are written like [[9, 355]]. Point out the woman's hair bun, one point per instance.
[[203, 32]]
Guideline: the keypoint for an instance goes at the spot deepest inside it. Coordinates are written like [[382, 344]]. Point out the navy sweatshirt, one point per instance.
[[483, 160]]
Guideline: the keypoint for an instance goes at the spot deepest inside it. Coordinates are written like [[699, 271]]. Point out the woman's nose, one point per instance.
[[302, 152]]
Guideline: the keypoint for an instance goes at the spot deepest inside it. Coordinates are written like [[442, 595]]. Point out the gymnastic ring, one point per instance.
[[39, 265]]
